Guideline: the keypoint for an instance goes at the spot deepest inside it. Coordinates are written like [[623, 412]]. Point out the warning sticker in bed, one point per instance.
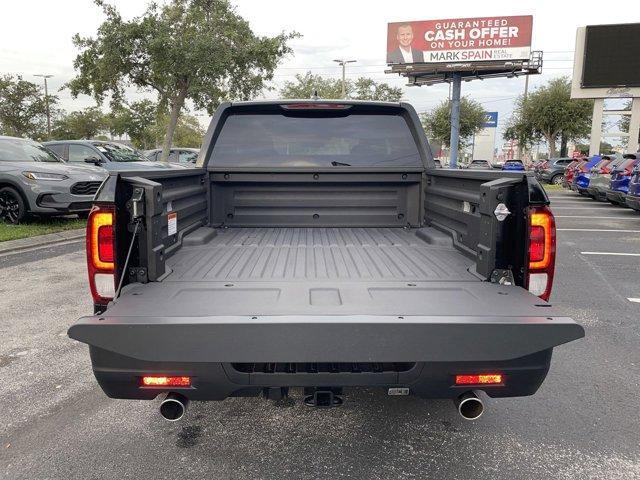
[[172, 223]]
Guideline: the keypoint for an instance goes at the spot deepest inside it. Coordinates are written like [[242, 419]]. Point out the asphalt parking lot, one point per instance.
[[583, 423]]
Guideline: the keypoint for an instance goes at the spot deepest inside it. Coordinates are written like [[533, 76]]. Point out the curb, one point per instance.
[[31, 243]]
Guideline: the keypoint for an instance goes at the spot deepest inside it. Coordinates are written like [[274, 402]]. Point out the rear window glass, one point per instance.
[[276, 140]]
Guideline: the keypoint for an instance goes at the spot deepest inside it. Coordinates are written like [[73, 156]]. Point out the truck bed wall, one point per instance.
[[316, 199], [459, 203]]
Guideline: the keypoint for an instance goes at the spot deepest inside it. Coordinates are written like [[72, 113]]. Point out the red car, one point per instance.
[[571, 170]]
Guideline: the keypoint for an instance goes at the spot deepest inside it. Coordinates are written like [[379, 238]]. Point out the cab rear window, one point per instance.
[[325, 140]]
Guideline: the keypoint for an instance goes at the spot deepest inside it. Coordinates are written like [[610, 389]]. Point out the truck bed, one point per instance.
[[332, 271]]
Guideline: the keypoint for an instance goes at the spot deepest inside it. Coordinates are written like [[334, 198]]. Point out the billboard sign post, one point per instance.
[[428, 52]]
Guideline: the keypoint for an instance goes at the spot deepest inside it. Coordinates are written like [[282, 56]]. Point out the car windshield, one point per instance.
[[120, 153], [320, 140], [19, 150]]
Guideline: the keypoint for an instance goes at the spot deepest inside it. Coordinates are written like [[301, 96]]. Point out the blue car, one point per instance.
[[583, 175], [513, 165], [621, 178], [633, 196]]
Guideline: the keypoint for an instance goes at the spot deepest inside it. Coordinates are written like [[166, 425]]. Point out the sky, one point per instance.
[[35, 37]]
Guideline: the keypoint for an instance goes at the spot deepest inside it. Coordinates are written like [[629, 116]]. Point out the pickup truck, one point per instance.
[[316, 246]]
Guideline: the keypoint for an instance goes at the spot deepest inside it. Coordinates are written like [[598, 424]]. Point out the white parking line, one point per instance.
[[631, 217], [634, 300], [622, 254], [584, 208], [595, 230]]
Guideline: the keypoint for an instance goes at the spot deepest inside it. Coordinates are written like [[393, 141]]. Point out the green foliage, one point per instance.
[[304, 86], [362, 89], [624, 123], [437, 122], [23, 110], [80, 125], [186, 49], [605, 147], [549, 113], [368, 89], [136, 121], [188, 131]]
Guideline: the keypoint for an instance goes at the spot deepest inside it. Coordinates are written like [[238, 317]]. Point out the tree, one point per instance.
[[437, 122], [368, 89], [188, 132], [83, 124], [549, 113], [624, 123], [23, 111], [362, 89], [200, 50], [136, 121]]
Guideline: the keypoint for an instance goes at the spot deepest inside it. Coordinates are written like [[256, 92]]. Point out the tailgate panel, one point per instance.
[[325, 338]]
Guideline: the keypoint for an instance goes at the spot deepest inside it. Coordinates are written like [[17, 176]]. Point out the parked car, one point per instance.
[[183, 156], [111, 156], [620, 178], [35, 181], [570, 172], [513, 165], [633, 196], [601, 176], [479, 165], [307, 273], [552, 170], [583, 174]]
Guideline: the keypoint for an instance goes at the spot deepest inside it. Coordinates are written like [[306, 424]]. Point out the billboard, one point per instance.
[[594, 76], [485, 140], [484, 39], [605, 66], [491, 120]]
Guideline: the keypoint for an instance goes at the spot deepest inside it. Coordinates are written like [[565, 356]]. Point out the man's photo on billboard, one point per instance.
[[405, 53]]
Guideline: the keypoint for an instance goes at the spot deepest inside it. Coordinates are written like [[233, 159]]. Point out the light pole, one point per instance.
[[46, 102], [343, 64]]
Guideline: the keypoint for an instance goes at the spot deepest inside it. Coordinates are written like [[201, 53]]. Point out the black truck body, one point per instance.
[[304, 272]]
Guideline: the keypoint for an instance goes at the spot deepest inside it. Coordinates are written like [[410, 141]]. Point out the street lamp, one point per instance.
[[343, 64], [46, 102]]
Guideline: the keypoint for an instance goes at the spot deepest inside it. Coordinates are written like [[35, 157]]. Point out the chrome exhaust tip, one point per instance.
[[469, 406], [173, 407]]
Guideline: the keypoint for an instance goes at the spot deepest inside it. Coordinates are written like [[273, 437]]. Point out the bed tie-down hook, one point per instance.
[[501, 212]]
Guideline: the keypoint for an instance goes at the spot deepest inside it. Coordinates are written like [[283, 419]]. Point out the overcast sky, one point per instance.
[[35, 37]]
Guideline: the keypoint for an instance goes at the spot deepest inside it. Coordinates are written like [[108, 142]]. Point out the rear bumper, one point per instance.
[[124, 348], [119, 377], [597, 193], [633, 201], [616, 196]]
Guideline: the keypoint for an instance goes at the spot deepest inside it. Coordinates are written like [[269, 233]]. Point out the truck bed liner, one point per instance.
[[343, 254], [322, 271]]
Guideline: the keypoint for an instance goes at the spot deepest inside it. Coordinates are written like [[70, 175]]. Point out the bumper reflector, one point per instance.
[[482, 379], [158, 381]]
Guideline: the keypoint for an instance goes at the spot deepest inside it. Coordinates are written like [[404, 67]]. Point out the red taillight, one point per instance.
[[105, 243], [162, 381], [480, 379], [101, 253], [315, 106], [542, 251]]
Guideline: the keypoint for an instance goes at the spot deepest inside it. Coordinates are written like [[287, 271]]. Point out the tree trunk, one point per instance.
[[551, 140], [176, 106], [563, 146]]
